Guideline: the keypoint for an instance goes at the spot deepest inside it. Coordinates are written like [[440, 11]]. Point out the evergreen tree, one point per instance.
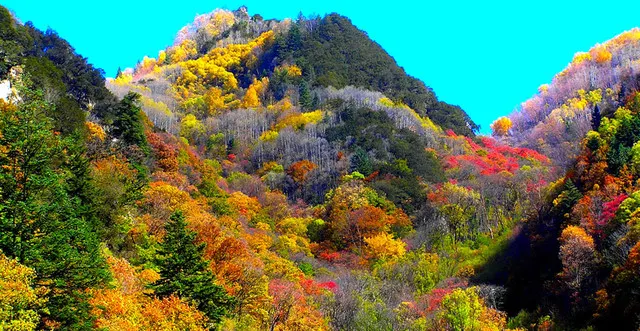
[[306, 101], [41, 223], [361, 162], [184, 272], [128, 122], [596, 118], [119, 73], [567, 198]]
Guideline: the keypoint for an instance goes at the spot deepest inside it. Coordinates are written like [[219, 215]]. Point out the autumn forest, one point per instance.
[[288, 175]]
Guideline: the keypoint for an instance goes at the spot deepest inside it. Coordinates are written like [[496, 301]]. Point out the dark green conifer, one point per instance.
[[184, 272], [42, 224]]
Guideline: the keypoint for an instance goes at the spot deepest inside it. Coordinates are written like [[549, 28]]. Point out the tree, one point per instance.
[[566, 199], [119, 73], [299, 170], [596, 118], [577, 254], [465, 310], [185, 273], [19, 299], [128, 122], [191, 128], [501, 126], [383, 246], [306, 100], [462, 309], [41, 223], [361, 162]]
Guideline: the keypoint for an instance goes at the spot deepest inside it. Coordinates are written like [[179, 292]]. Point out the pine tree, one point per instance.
[[119, 73], [306, 101], [567, 198], [596, 118], [40, 220], [184, 272], [128, 123], [361, 162]]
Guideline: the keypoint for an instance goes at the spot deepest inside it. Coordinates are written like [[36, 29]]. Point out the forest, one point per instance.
[[289, 175]]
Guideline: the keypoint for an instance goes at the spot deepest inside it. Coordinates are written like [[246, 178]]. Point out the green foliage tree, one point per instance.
[[184, 272], [40, 222], [306, 100], [361, 162], [462, 309], [566, 199], [13, 39], [128, 121]]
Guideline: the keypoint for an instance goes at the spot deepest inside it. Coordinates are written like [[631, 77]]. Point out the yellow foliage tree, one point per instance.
[[384, 247], [18, 297], [501, 126], [95, 131], [191, 127], [251, 99]]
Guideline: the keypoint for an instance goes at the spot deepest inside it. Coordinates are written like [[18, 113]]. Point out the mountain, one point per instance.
[[555, 120], [577, 255], [285, 175]]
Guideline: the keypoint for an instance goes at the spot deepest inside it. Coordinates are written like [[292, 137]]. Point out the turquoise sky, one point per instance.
[[486, 57]]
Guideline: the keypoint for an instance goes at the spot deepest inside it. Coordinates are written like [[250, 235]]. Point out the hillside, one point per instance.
[[289, 175], [555, 120], [577, 257]]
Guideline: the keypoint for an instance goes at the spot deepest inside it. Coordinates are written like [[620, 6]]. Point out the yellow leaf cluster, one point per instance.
[[581, 57], [383, 246], [244, 205], [299, 120], [215, 68], [270, 135], [95, 131], [386, 102], [501, 126], [289, 70], [190, 126], [127, 306], [18, 297]]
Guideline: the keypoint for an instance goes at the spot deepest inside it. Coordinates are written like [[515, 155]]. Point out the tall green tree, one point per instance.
[[184, 272], [128, 121], [40, 222], [306, 100]]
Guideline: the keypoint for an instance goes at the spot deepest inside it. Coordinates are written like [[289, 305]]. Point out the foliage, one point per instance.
[[501, 126], [183, 271], [128, 121], [40, 219], [465, 310], [20, 300], [338, 54]]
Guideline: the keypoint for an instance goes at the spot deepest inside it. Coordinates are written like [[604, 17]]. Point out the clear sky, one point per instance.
[[485, 56]]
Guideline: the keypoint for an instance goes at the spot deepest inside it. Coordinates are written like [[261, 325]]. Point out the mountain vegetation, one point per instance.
[[289, 175]]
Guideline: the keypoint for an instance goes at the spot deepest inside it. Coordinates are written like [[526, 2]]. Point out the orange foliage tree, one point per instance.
[[299, 170], [129, 305]]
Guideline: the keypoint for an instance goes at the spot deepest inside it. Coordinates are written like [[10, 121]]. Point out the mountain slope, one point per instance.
[[333, 52], [556, 119], [295, 204]]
